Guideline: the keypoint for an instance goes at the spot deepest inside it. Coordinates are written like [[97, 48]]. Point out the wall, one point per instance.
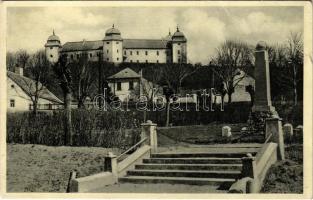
[[22, 100], [152, 56], [54, 52], [124, 92]]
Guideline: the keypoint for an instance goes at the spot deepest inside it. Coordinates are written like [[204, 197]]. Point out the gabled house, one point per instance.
[[20, 90], [128, 85]]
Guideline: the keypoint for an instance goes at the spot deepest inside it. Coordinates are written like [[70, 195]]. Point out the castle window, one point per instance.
[[90, 55], [12, 103], [107, 59], [117, 42], [107, 50], [131, 85], [179, 60], [146, 53], [131, 53], [12, 86], [137, 61], [178, 52], [157, 53], [77, 56], [51, 56], [146, 61], [51, 47], [117, 59], [131, 61], [125, 53], [119, 86], [157, 61], [108, 42], [116, 50], [178, 43], [137, 52], [72, 56]]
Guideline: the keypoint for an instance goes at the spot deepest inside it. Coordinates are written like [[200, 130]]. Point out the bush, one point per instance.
[[90, 128]]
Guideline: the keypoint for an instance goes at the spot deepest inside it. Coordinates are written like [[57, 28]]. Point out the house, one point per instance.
[[20, 89], [113, 48], [129, 85]]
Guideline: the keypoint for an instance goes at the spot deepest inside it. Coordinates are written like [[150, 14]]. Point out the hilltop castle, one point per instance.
[[115, 49]]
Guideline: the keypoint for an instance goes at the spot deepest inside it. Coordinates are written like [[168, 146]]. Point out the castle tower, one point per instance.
[[179, 47], [53, 47], [113, 46]]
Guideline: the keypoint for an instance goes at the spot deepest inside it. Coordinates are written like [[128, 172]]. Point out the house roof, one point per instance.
[[125, 73], [144, 44], [82, 46], [28, 86], [127, 44]]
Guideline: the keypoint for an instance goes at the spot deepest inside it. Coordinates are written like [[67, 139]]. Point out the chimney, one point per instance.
[[18, 70]]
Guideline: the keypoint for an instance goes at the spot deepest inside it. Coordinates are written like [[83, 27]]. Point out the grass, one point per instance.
[[286, 176], [38, 168]]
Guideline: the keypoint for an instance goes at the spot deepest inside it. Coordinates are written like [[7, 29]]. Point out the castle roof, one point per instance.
[[125, 73], [53, 37], [29, 87], [127, 44]]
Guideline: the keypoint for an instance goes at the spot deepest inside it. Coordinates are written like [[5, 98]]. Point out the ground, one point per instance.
[[286, 176], [38, 168]]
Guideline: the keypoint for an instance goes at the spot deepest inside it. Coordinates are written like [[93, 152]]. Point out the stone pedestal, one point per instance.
[[110, 164], [275, 130], [148, 130]]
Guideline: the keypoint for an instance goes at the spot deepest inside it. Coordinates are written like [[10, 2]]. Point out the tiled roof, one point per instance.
[[28, 86], [125, 73], [144, 44], [82, 45], [127, 44]]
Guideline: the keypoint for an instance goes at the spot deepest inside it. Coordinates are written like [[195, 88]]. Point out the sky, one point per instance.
[[204, 27]]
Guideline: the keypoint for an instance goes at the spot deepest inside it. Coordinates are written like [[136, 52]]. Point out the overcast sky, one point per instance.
[[205, 27]]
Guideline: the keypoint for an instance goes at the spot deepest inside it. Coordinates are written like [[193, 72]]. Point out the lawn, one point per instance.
[[38, 168]]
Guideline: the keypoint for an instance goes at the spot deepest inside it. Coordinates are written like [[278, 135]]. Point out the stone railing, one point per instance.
[[254, 169], [114, 167]]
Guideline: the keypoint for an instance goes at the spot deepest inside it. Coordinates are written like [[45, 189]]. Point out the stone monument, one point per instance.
[[262, 107]]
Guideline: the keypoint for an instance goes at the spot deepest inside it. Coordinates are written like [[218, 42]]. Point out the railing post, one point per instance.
[[148, 130], [72, 177], [110, 165], [274, 127], [248, 167]]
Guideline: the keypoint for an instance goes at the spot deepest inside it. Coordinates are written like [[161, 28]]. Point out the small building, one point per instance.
[[125, 84], [20, 90]]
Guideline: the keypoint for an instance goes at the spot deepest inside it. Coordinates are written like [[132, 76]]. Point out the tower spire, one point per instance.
[[53, 32], [177, 28], [113, 26], [169, 31]]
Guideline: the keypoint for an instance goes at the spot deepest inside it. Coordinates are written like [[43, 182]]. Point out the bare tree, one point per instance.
[[295, 60], [83, 79], [151, 86], [38, 67], [22, 57], [173, 75], [61, 69], [232, 57], [11, 61]]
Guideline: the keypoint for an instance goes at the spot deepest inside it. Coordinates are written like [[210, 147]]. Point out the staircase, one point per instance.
[[215, 168]]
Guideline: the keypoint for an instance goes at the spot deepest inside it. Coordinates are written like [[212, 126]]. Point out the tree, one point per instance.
[[61, 69], [82, 79], [22, 57], [151, 86], [11, 61], [232, 57], [295, 61], [38, 67]]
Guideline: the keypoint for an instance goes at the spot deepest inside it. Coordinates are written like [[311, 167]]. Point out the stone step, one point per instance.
[[209, 160], [190, 166], [223, 183], [186, 173], [201, 155]]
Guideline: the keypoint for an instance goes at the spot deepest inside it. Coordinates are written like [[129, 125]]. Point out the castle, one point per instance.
[[115, 49]]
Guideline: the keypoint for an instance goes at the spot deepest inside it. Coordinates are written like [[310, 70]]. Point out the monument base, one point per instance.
[[265, 108]]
